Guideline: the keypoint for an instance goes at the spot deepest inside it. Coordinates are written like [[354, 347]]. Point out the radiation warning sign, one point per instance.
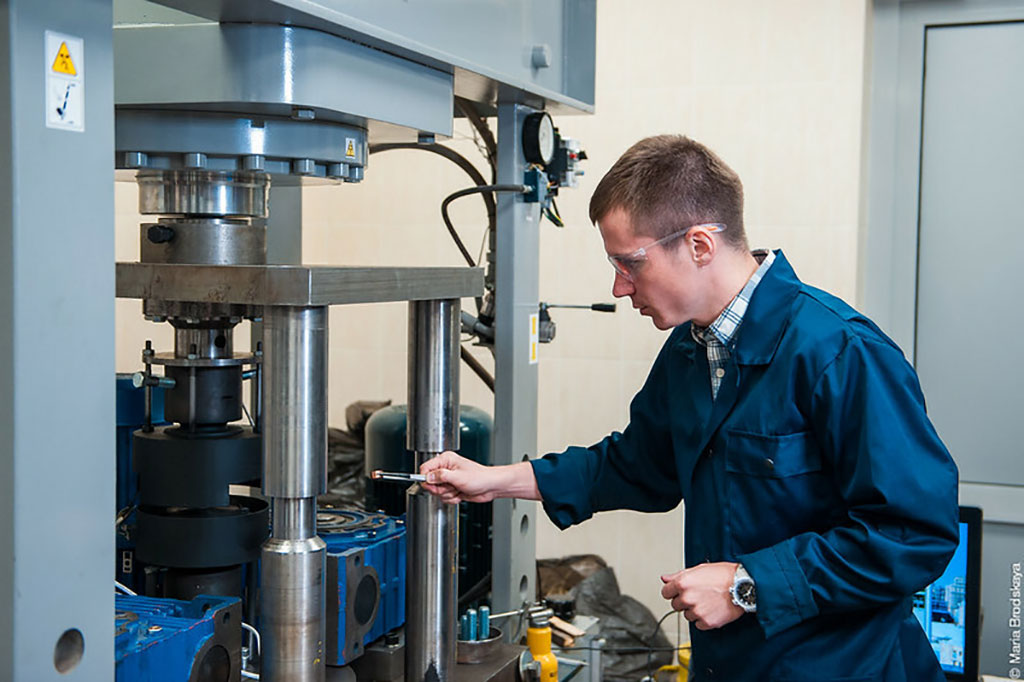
[[64, 61]]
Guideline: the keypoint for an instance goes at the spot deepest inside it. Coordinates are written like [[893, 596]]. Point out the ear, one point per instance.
[[702, 245]]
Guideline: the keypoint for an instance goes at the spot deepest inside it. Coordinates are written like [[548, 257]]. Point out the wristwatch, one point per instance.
[[743, 590]]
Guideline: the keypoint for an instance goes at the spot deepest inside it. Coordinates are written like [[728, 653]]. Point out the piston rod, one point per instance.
[[293, 559], [433, 427]]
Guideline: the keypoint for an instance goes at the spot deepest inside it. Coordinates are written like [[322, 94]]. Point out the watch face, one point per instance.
[[746, 592]]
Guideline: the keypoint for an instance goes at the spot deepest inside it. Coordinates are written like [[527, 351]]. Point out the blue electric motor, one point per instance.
[[167, 640], [365, 579]]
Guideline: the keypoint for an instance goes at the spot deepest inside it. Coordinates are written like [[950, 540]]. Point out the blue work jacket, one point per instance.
[[816, 468]]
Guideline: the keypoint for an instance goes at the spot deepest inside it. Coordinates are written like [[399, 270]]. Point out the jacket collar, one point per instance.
[[768, 315], [765, 321]]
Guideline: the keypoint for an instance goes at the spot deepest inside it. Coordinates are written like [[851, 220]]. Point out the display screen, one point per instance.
[[941, 608]]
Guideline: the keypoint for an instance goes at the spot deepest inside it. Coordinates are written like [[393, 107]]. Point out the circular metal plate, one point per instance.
[[169, 359]]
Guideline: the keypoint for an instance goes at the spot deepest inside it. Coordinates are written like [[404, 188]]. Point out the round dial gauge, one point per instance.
[[539, 138]]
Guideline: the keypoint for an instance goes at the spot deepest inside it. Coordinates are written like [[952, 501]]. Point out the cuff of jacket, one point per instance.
[[784, 597], [555, 498]]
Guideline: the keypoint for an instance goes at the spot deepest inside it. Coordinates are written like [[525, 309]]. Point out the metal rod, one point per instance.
[[147, 395], [258, 390], [433, 426], [295, 397], [379, 475], [433, 376], [294, 423]]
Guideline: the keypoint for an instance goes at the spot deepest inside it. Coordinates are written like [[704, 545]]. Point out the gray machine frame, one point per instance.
[[56, 353], [57, 500]]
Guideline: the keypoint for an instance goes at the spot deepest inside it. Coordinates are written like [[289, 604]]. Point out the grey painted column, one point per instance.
[[56, 348], [515, 394], [432, 554]]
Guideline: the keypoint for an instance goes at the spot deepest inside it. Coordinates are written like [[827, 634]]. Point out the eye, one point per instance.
[[631, 264]]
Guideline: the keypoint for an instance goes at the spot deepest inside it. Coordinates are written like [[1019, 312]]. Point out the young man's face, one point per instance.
[[666, 285]]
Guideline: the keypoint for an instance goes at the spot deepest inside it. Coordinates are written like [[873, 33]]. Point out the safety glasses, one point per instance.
[[629, 264]]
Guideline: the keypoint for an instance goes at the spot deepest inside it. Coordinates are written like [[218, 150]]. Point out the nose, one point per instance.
[[621, 286]]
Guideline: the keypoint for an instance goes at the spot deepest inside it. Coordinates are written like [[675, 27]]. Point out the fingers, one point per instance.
[[446, 460]]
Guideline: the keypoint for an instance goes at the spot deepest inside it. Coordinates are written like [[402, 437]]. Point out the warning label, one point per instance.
[[65, 81], [63, 62], [350, 147], [534, 338]]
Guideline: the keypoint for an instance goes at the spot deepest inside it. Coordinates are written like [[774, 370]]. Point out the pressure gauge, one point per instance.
[[539, 138]]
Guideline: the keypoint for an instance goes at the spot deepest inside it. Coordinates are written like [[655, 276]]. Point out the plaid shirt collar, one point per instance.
[[723, 329]]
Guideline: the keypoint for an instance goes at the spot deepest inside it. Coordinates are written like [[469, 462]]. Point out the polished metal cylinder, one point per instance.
[[293, 518], [294, 401], [292, 613], [433, 422], [204, 241], [431, 575], [206, 342], [202, 192], [432, 526]]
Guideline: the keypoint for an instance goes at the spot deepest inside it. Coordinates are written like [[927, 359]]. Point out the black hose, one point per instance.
[[479, 189], [477, 368]]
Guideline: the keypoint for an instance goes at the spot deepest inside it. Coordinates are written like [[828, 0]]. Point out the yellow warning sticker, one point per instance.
[[64, 67], [350, 147], [534, 338], [62, 63]]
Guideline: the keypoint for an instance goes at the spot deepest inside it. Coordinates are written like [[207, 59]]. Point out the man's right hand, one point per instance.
[[456, 479]]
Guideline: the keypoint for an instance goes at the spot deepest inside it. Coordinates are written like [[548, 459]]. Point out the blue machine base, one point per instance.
[[167, 640], [365, 579]]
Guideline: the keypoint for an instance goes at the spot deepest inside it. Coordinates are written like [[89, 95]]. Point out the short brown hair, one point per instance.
[[667, 182]]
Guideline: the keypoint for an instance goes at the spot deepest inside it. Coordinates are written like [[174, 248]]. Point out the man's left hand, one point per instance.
[[702, 594]]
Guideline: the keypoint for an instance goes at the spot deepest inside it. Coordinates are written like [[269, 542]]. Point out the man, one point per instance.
[[818, 496]]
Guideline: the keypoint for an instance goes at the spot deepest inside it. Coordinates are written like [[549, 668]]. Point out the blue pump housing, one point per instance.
[[167, 640], [365, 579]]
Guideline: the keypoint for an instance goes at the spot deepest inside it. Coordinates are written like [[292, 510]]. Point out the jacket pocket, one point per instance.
[[775, 489], [766, 456]]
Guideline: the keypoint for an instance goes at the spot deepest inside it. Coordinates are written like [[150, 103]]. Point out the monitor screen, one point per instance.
[[942, 610], [947, 609]]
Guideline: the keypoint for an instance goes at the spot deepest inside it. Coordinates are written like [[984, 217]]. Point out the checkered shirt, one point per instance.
[[718, 337]]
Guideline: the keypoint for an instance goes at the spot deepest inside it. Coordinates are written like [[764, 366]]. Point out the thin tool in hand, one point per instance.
[[379, 475]]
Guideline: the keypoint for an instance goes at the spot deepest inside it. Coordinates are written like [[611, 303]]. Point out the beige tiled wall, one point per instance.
[[774, 87]]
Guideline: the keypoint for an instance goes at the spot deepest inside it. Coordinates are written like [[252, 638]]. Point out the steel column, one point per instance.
[[433, 427], [293, 559], [515, 385], [56, 301]]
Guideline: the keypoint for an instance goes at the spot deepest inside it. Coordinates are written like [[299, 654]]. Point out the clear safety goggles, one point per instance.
[[628, 264]]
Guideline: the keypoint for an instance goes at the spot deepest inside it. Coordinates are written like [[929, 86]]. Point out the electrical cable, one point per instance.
[[479, 189], [474, 174], [124, 588], [650, 649], [477, 368], [468, 110], [458, 159]]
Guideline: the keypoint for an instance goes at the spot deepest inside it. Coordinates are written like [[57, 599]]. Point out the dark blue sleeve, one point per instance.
[[634, 469], [899, 485]]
